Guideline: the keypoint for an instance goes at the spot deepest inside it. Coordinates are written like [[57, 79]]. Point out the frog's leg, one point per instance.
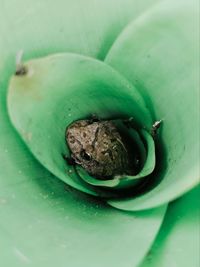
[[70, 160]]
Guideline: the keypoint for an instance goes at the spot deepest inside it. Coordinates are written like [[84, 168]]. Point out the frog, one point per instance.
[[97, 146]]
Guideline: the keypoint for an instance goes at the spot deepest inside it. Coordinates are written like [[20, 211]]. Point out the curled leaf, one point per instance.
[[60, 89], [158, 53]]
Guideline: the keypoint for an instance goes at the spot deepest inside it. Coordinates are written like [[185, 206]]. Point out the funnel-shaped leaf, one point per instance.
[[159, 54], [42, 224], [60, 89]]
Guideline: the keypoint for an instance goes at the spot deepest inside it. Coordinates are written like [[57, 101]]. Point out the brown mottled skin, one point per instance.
[[97, 147]]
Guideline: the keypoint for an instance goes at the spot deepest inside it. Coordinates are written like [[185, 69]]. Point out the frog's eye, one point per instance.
[[85, 155]]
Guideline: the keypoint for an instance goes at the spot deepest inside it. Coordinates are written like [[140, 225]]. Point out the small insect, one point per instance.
[[98, 147], [155, 127]]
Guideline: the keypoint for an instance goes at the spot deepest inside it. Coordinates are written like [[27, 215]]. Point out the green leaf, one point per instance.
[[179, 235], [33, 204], [159, 54], [44, 223], [67, 26], [60, 89]]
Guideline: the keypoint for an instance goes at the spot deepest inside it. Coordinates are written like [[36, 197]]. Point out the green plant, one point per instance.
[[45, 222]]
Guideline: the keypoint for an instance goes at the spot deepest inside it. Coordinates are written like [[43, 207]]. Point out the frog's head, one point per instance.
[[80, 137], [97, 147]]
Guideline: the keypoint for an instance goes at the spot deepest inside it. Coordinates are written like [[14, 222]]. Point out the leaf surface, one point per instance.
[[159, 53], [63, 88], [179, 235]]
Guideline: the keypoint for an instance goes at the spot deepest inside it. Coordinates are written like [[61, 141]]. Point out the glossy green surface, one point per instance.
[[165, 68], [43, 222], [63, 88], [180, 235]]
